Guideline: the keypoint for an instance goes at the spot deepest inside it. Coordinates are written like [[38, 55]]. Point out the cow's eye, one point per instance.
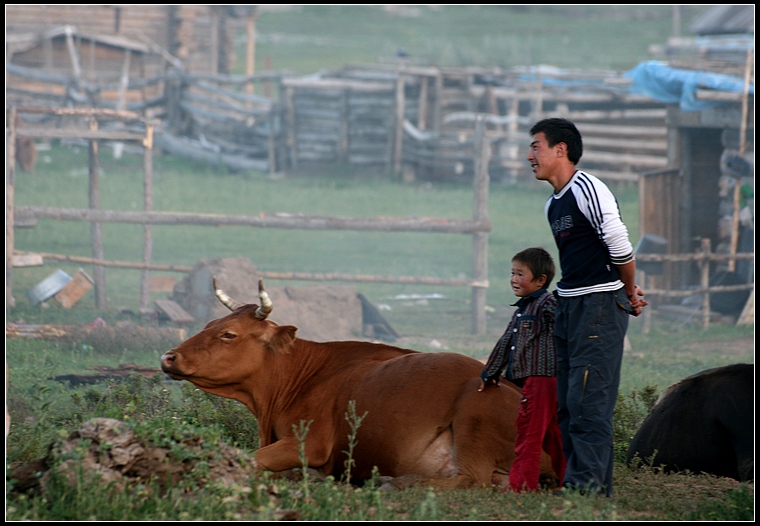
[[229, 336]]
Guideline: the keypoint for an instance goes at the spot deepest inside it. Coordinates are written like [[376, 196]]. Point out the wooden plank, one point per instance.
[[174, 312], [269, 220], [337, 84], [27, 260], [719, 96], [626, 143], [74, 290], [619, 176], [626, 130], [747, 317], [79, 133], [644, 161], [86, 332], [162, 283]]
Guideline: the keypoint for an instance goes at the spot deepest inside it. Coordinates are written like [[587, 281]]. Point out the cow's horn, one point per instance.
[[226, 300], [266, 304]]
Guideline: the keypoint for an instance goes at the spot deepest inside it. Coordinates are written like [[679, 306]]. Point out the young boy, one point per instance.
[[526, 356]]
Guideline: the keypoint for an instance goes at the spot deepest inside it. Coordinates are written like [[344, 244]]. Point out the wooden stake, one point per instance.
[[742, 149]]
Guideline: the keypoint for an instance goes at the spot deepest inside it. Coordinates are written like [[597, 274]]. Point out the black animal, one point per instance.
[[703, 424]]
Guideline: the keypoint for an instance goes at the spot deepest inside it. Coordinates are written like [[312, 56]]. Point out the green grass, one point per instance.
[[504, 36], [45, 410], [177, 418]]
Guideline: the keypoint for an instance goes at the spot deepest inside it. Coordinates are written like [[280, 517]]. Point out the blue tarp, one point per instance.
[[671, 85]]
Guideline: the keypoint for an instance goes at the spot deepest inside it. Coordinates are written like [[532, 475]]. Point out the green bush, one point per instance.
[[629, 414], [739, 505], [238, 425]]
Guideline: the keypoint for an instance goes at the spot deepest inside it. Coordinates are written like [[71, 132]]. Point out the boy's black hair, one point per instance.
[[539, 261], [557, 130]]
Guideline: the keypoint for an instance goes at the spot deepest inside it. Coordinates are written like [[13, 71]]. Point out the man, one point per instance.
[[596, 295]]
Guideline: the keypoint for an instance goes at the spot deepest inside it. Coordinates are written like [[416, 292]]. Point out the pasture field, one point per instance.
[[313, 37], [169, 414], [45, 410]]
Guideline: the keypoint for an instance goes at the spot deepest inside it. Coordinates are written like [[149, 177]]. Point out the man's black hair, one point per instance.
[[558, 130]]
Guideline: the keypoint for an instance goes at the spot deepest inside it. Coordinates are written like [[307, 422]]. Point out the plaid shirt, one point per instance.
[[527, 346]]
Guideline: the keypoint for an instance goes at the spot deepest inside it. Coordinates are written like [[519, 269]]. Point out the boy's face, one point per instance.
[[523, 282]]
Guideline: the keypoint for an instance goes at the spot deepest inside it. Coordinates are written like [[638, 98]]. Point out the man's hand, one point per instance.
[[637, 301]]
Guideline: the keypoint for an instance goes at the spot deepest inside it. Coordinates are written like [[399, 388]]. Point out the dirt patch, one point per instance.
[[321, 313], [109, 449]]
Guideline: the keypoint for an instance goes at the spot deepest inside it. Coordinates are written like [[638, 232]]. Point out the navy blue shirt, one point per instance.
[[590, 234]]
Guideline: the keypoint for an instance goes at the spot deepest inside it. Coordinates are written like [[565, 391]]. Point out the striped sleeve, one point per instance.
[[600, 206]]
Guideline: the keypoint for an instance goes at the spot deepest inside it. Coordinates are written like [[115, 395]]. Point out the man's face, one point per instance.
[[543, 158]]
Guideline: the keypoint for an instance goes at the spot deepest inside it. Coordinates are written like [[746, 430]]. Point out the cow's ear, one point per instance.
[[283, 338]]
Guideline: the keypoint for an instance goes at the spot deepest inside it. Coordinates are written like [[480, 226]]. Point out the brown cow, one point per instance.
[[425, 419]]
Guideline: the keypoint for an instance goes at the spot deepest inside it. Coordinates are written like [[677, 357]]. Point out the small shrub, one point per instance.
[[355, 422], [739, 505], [239, 426], [134, 398], [630, 413]]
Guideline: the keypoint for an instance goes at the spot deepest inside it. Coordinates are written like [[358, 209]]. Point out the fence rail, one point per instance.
[[478, 227], [704, 258]]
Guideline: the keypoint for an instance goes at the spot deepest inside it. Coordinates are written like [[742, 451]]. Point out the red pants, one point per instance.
[[537, 430]]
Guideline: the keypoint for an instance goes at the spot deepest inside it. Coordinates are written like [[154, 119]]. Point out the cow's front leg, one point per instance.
[[285, 454]]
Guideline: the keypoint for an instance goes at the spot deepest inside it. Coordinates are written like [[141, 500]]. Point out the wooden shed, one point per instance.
[[202, 37], [64, 64], [706, 195]]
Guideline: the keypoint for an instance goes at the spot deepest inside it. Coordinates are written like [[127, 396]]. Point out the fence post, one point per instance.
[[290, 118], [735, 225], [99, 272], [398, 136], [147, 228], [480, 239], [704, 265], [10, 176], [646, 314]]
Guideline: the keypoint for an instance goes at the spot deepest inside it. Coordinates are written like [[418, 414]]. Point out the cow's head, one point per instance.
[[229, 350]]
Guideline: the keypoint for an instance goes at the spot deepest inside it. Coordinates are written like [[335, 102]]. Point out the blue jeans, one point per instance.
[[589, 333]]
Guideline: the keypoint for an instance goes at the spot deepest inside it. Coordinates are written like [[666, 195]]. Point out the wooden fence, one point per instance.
[[76, 120], [397, 119], [705, 260], [478, 227]]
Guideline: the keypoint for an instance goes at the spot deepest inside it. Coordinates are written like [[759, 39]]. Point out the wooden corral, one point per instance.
[[419, 120], [217, 118], [332, 120], [202, 37], [478, 227]]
